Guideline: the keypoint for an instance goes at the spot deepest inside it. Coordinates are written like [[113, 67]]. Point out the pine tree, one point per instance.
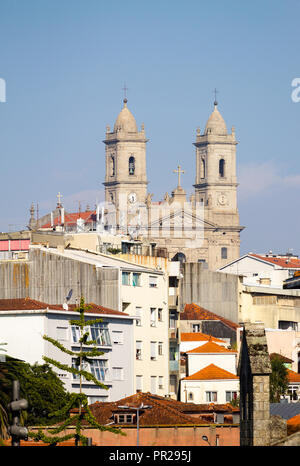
[[79, 401]]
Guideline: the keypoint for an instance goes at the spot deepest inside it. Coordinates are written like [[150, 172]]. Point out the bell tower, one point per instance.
[[125, 153], [216, 187]]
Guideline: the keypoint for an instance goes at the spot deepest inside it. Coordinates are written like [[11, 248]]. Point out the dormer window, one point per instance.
[[131, 165], [124, 418]]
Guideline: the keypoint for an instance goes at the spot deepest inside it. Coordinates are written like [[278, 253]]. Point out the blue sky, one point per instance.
[[65, 63]]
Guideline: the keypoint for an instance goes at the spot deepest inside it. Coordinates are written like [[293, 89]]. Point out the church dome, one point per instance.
[[125, 120], [216, 124]]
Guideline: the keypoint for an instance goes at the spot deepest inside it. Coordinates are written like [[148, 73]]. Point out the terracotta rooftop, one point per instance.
[[210, 347], [71, 218], [280, 356], [164, 411], [285, 262], [194, 312], [23, 304], [198, 336], [211, 372], [293, 376]]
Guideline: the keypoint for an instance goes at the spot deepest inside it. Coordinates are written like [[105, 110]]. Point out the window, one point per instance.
[[159, 315], [62, 333], [123, 418], [153, 355], [172, 319], [125, 278], [293, 392], [138, 353], [138, 320], [118, 373], [153, 385], [139, 383], [191, 396], [136, 279], [152, 316], [152, 281], [196, 328], [75, 365], [202, 168], [160, 348], [230, 396], [75, 334], [100, 333], [131, 165], [224, 253], [118, 337], [222, 168], [112, 165], [160, 383], [173, 383], [211, 397], [99, 369]]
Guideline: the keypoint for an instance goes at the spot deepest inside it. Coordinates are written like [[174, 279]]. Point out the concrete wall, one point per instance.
[[216, 291], [228, 435], [49, 278]]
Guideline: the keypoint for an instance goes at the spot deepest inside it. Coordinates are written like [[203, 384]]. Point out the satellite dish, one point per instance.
[[69, 295]]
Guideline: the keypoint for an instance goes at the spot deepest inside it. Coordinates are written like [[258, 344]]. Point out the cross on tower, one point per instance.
[[59, 196], [215, 92], [179, 171], [125, 89]]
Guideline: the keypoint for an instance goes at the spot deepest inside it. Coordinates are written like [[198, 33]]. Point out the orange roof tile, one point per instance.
[[293, 376], [212, 372], [198, 336], [210, 347], [23, 304], [194, 312], [71, 218], [289, 263]]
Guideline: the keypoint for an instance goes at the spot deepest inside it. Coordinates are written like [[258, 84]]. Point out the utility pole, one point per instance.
[[16, 431]]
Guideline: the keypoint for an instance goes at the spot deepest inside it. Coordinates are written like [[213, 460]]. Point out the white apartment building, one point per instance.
[[23, 322], [143, 295]]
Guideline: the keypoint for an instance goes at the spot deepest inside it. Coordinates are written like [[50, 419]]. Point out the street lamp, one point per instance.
[[137, 409], [204, 437]]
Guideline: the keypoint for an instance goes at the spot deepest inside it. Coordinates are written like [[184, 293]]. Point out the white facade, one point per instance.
[[23, 332], [209, 391], [143, 294], [256, 271], [217, 383], [197, 361]]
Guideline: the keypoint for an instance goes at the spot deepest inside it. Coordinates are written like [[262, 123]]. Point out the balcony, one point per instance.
[[174, 366]]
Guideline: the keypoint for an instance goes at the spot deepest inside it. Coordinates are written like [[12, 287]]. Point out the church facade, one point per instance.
[[203, 228]]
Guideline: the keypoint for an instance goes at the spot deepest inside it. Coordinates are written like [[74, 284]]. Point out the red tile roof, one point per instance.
[[71, 218], [293, 376], [194, 312], [23, 304], [212, 372], [210, 347], [164, 411], [198, 336], [285, 262]]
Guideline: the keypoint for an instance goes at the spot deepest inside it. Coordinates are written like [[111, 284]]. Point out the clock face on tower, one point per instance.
[[222, 199], [132, 198]]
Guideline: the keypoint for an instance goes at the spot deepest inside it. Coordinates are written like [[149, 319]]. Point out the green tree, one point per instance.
[[278, 379], [79, 400], [4, 384]]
